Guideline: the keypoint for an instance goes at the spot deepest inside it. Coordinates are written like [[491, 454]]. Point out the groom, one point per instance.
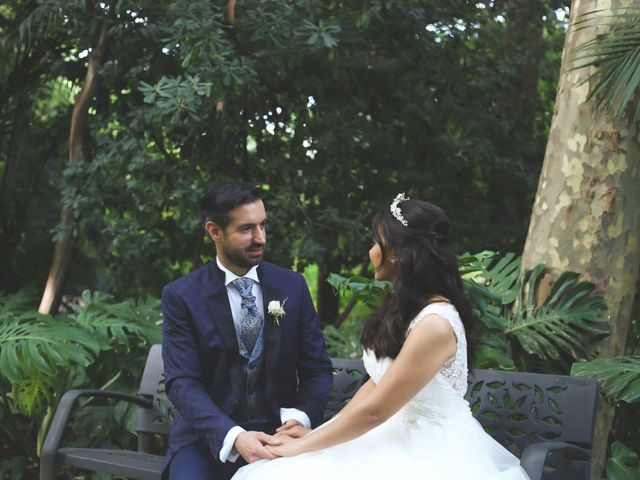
[[242, 348]]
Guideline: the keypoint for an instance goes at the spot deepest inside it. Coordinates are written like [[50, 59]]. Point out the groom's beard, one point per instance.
[[247, 257]]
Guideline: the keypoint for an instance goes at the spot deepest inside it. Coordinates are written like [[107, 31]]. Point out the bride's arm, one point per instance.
[[365, 389], [429, 345], [300, 431]]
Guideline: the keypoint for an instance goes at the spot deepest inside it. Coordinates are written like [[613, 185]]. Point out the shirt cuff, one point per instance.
[[295, 414], [228, 451]]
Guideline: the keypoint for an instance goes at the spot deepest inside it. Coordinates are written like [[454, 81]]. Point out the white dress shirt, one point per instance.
[[228, 451]]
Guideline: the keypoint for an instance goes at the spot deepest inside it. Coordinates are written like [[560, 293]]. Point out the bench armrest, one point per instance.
[[61, 418], [534, 456]]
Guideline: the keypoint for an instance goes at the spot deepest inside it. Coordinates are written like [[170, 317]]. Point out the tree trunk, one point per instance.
[[230, 15], [584, 215], [328, 302], [63, 247]]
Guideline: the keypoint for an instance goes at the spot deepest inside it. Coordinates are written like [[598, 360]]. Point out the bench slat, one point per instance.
[[126, 463]]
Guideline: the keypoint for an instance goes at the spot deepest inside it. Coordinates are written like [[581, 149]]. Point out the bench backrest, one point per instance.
[[516, 408], [348, 375], [519, 408], [157, 420]]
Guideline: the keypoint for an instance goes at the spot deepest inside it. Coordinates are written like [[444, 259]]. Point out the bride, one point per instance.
[[410, 418]]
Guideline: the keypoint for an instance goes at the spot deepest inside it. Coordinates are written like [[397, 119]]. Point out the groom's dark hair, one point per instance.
[[223, 197]]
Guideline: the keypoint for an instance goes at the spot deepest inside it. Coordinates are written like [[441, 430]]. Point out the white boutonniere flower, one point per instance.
[[276, 310]]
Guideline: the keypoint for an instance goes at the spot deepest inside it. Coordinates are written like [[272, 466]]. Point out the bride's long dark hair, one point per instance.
[[426, 269]]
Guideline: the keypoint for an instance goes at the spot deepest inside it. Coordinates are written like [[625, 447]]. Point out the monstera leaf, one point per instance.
[[122, 324], [36, 353], [624, 463], [36, 342], [619, 377], [490, 282], [564, 322], [498, 274], [16, 302]]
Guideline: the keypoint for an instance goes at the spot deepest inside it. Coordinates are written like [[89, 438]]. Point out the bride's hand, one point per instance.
[[296, 431], [284, 446]]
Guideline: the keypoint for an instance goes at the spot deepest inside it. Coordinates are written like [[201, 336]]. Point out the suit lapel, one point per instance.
[[218, 306], [272, 333]]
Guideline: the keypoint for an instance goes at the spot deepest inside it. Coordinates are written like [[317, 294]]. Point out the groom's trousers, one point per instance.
[[195, 462]]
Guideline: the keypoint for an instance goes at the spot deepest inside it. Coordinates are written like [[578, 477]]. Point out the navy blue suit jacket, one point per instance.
[[200, 343]]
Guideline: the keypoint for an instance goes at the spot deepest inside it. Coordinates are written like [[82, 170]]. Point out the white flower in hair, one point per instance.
[[395, 209]]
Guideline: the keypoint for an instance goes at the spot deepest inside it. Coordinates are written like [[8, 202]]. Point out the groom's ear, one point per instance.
[[214, 231]]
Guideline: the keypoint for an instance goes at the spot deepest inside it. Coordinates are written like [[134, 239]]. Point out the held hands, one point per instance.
[[285, 442], [292, 428], [252, 446], [285, 446]]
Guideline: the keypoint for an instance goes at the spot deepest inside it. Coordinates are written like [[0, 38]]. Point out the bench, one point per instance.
[[546, 420]]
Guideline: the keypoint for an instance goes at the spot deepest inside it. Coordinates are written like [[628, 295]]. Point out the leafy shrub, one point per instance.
[[100, 344]]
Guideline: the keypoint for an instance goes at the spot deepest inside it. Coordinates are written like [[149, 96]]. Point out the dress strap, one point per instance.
[[445, 310]]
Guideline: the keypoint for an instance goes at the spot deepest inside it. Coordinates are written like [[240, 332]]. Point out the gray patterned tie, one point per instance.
[[250, 318]]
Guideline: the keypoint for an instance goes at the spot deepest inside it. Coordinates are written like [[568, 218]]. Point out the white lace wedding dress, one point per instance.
[[433, 436]]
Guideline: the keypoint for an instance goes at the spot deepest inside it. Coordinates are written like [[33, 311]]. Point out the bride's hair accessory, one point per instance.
[[395, 209]]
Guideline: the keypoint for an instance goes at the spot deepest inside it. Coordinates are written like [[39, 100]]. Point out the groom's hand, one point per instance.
[[251, 446], [288, 425], [292, 428]]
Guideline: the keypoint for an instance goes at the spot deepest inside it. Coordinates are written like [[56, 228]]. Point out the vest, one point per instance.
[[251, 386]]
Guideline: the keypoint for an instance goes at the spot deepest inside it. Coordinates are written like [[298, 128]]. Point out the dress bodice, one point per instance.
[[443, 396]]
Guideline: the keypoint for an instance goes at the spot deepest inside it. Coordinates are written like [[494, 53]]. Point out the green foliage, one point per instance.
[[494, 352], [490, 283], [499, 280], [623, 464], [561, 326], [125, 332], [616, 56], [342, 344], [564, 323], [99, 344], [35, 353], [13, 468], [370, 292], [126, 325], [290, 95], [618, 377], [344, 341]]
